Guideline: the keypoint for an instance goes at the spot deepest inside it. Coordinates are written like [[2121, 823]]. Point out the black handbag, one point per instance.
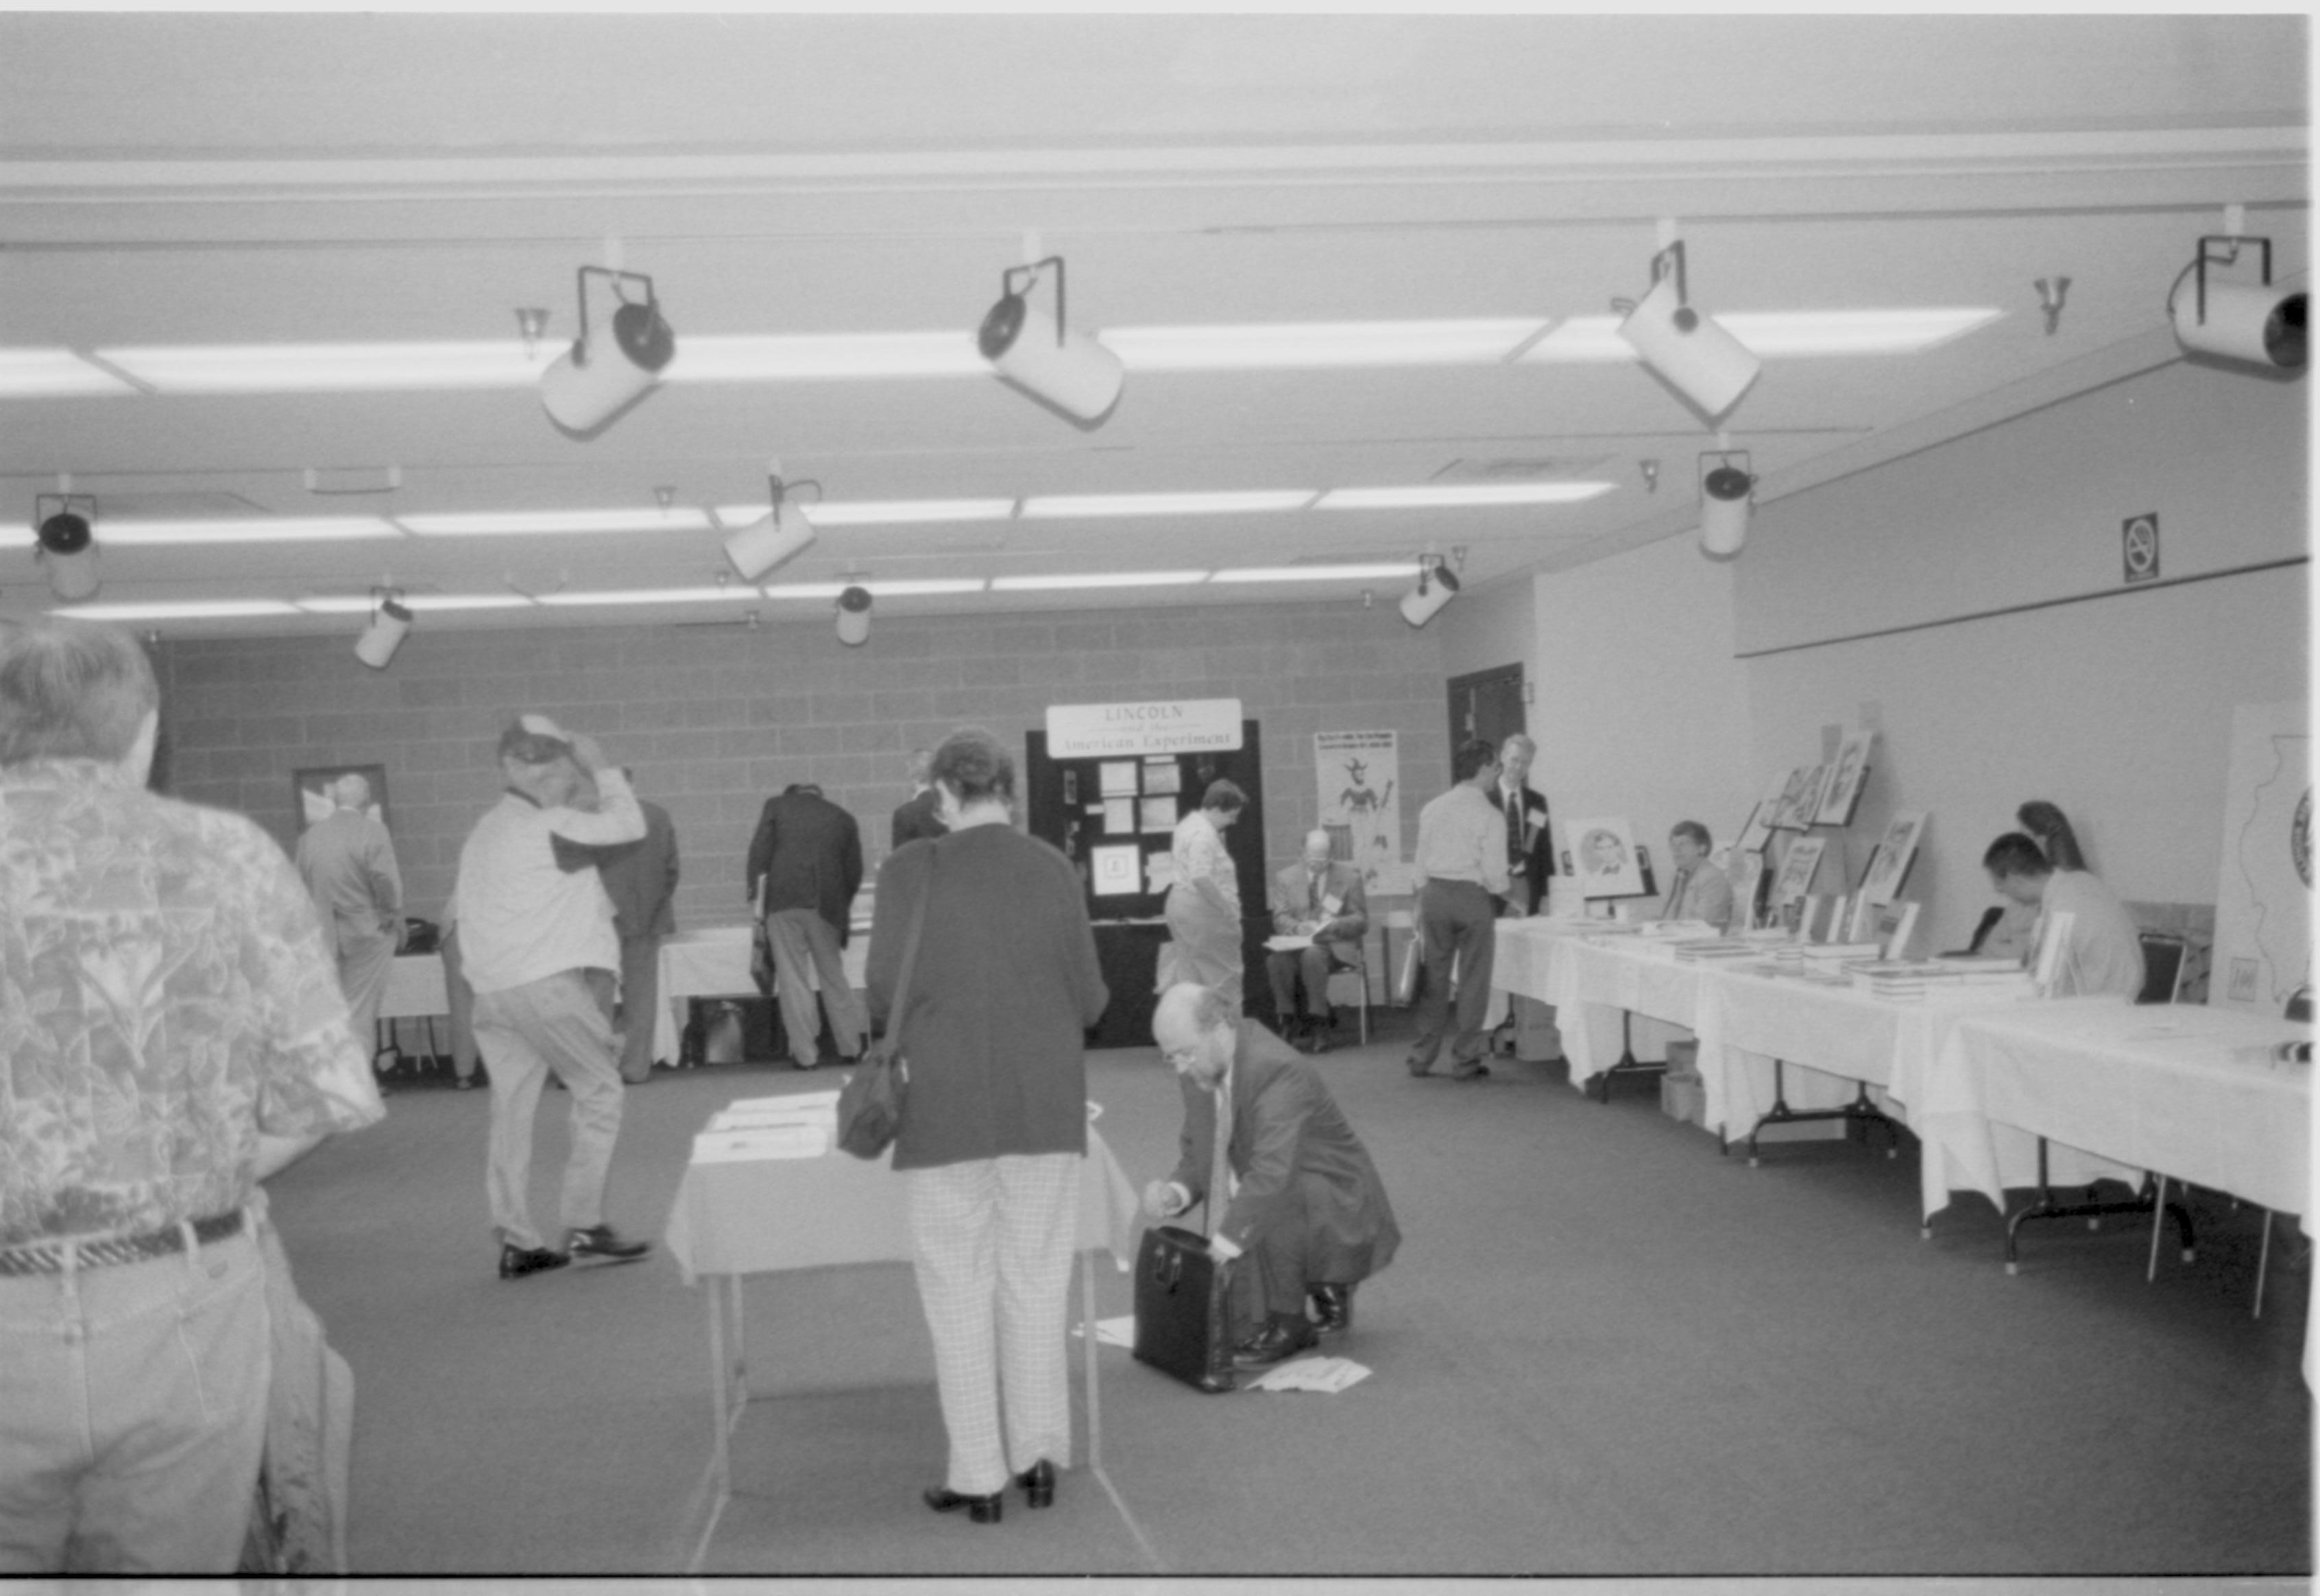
[[870, 1106], [1184, 1310]]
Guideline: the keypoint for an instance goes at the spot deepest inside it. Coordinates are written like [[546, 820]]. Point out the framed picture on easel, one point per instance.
[[1606, 860], [1842, 793], [1896, 850]]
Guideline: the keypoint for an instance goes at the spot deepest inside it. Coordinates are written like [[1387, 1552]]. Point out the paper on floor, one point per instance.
[[1328, 1376], [1114, 1332]]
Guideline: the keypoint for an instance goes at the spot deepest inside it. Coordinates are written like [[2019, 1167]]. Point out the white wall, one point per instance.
[[1489, 628], [2117, 706], [1641, 712]]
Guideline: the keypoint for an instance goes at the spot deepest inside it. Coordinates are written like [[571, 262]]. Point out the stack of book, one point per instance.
[[1916, 978], [1715, 949], [803, 1125]]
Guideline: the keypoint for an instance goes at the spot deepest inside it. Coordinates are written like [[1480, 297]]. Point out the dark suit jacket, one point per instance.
[[1530, 852], [1289, 904], [1299, 1160], [810, 853], [919, 819], [640, 877]]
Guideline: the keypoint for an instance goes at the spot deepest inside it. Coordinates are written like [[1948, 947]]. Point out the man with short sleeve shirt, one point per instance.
[[174, 1034], [347, 861], [1460, 869]]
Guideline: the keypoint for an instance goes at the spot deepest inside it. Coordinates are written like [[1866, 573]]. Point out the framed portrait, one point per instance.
[[1798, 866], [1842, 793], [315, 791], [1116, 868], [1605, 858], [1896, 850]]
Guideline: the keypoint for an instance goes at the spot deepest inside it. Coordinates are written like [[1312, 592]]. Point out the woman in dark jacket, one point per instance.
[[994, 1118]]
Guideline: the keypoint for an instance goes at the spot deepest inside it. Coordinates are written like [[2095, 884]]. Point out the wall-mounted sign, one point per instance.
[[1106, 731], [2138, 540]]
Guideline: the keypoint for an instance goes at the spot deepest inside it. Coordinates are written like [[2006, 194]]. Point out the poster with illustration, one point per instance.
[[1845, 781], [2264, 893], [1896, 850], [1357, 775], [1604, 859], [1799, 795], [1797, 868]]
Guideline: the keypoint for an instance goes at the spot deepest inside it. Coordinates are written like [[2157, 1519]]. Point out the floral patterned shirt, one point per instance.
[[164, 997]]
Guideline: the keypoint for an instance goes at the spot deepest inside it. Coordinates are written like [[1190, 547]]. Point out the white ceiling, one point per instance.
[[182, 180]]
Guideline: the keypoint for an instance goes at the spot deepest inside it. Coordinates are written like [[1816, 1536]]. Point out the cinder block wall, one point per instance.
[[714, 720]]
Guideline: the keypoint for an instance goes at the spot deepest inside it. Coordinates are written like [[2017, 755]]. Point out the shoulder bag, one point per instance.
[[870, 1108]]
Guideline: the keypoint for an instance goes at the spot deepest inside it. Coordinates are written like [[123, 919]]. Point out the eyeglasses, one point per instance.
[[1182, 1058]]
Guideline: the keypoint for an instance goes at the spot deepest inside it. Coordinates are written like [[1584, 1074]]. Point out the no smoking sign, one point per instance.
[[2138, 537]]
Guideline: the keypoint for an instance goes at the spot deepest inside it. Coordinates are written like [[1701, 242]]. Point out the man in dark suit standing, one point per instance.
[[1530, 860], [805, 863], [921, 816], [640, 878]]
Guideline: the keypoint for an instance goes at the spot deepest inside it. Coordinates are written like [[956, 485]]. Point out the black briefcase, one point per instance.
[[1183, 1313]]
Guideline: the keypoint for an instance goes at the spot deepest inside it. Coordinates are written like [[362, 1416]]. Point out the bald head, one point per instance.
[[354, 792], [1196, 1028], [1317, 850]]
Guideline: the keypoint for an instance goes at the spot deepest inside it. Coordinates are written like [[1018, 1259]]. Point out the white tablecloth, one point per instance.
[[714, 962], [2183, 1090]]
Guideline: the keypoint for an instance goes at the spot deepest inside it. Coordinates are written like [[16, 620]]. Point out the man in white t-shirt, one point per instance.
[[537, 943]]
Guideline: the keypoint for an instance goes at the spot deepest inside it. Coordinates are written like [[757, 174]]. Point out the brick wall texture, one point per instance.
[[714, 720]]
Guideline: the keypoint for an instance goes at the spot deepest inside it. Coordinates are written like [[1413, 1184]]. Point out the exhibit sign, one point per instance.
[[1118, 730], [2263, 897], [1357, 774]]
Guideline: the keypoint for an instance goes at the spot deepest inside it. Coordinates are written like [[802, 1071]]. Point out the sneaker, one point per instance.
[[602, 1241], [516, 1262]]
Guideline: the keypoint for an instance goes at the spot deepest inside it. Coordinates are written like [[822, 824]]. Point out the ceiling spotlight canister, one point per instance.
[[854, 616], [761, 546], [385, 634], [69, 548], [600, 375], [1724, 511], [1697, 358], [1033, 351], [1434, 589], [2263, 326]]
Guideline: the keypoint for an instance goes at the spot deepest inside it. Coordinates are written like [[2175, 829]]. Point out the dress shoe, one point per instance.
[[1419, 1066], [1333, 1308], [1472, 1070], [602, 1241], [1277, 1342], [981, 1510], [1039, 1483], [516, 1262]]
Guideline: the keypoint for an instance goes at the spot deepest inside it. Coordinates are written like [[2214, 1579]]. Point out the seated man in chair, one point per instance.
[[1310, 1209], [1318, 898]]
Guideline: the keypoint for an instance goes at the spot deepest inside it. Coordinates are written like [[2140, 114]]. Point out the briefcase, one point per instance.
[[1184, 1314]]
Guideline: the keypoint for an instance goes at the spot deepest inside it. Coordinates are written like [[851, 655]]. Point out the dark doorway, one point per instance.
[[1488, 705]]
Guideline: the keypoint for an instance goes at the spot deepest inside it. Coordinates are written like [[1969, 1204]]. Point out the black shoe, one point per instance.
[[1276, 1343], [1473, 1070], [981, 1510], [516, 1262], [1039, 1483], [1419, 1066], [1333, 1309], [602, 1241]]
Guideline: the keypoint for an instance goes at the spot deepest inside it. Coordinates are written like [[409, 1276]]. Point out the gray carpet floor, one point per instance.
[[1605, 1350]]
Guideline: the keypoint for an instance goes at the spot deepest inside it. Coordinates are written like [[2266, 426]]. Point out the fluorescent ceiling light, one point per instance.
[[351, 605], [1778, 333], [1097, 579], [1318, 573], [53, 373], [896, 589], [496, 523], [649, 595], [821, 356], [334, 368], [1064, 506], [1481, 495], [184, 610], [288, 528], [875, 513], [1294, 345]]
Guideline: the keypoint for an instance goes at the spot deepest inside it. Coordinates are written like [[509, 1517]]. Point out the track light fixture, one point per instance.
[[2254, 322], [854, 615], [1068, 370], [390, 623], [1694, 356], [599, 377], [65, 525], [2051, 293], [1437, 586], [783, 535], [1724, 500]]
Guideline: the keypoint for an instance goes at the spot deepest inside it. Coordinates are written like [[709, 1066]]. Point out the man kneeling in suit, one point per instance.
[[1325, 901], [1309, 1207]]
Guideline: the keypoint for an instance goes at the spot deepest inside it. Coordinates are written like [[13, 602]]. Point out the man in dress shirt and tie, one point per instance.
[[1699, 890], [1318, 898], [1460, 870], [1530, 854]]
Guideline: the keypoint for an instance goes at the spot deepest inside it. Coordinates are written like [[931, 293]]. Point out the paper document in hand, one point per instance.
[[1288, 944], [1114, 1332], [1328, 1376]]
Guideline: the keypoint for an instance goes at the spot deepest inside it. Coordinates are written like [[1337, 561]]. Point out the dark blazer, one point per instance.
[[1299, 1160], [1530, 851], [640, 877], [1004, 989], [920, 819], [810, 852]]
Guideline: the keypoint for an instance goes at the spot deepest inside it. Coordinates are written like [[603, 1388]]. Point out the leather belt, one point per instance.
[[94, 1252]]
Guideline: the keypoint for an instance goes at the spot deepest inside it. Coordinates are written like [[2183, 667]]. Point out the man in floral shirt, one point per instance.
[[171, 1032]]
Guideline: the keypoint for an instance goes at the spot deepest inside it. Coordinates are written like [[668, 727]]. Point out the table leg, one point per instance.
[[1087, 1358], [2262, 1260], [1859, 1111], [2150, 1199]]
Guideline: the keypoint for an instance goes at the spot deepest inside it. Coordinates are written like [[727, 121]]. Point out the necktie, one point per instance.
[[1313, 893], [1675, 894], [1514, 825]]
